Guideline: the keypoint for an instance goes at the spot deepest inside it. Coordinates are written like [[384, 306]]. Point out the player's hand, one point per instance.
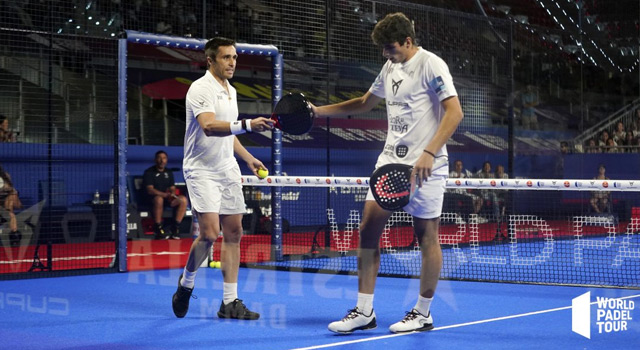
[[261, 124], [422, 168], [255, 165], [314, 110]]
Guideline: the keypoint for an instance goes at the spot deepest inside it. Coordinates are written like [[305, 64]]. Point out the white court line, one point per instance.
[[107, 256], [448, 327]]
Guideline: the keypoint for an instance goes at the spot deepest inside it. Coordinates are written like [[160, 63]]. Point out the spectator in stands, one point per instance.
[[9, 201], [592, 146], [600, 202], [160, 186], [6, 135], [635, 128], [500, 174], [619, 135], [529, 100], [631, 143], [465, 195], [604, 137], [611, 147], [489, 196]]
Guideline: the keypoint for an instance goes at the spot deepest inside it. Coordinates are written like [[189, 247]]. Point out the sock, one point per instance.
[[229, 292], [365, 303], [188, 278], [423, 305]]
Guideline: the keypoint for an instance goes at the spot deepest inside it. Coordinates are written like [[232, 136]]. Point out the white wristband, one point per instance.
[[236, 128], [248, 124]]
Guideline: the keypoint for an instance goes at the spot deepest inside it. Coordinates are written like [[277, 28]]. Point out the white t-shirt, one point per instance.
[[202, 152], [413, 91]]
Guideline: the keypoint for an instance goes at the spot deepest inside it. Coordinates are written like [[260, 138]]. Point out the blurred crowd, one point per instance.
[[624, 138]]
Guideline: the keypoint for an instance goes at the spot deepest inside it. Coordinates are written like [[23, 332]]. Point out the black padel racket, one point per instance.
[[293, 114], [391, 186]]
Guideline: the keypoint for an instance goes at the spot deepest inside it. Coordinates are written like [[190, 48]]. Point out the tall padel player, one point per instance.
[[423, 111]]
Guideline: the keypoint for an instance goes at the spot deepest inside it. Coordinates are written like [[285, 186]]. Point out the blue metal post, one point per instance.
[[276, 156], [122, 155]]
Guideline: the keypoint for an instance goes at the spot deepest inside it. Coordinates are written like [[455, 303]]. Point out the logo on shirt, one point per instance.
[[401, 151], [395, 85], [203, 103], [398, 124], [437, 84]]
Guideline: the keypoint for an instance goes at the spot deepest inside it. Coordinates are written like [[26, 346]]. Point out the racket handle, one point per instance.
[[276, 122]]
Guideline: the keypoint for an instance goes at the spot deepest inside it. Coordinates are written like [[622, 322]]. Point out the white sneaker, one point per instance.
[[413, 321], [355, 320]]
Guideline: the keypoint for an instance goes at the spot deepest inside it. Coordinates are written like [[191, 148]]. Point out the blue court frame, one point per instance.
[[184, 43]]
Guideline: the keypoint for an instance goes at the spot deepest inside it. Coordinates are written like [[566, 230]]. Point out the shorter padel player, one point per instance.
[[212, 175], [423, 112]]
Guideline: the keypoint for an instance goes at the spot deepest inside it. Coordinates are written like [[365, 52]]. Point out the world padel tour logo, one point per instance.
[[612, 315]]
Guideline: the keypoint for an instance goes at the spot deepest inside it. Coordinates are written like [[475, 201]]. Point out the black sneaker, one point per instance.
[[180, 300], [175, 232], [159, 232], [237, 310]]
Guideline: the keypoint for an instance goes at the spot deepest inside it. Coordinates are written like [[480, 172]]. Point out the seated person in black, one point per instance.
[[161, 191]]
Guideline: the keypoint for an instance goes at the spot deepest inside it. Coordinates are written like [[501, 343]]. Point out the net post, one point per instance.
[[121, 181], [276, 156]]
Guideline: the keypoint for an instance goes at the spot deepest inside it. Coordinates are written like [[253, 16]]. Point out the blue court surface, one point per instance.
[[133, 311]]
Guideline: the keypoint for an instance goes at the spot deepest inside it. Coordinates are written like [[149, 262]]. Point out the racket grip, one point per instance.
[[276, 122]]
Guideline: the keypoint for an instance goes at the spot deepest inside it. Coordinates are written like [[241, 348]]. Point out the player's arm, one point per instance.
[[452, 117], [213, 127], [356, 105], [253, 163]]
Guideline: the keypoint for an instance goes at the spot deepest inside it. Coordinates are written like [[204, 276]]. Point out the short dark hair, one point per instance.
[[394, 27], [160, 152], [2, 118], [211, 47]]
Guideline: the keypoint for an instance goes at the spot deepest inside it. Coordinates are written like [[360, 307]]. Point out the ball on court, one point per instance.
[[262, 173], [214, 264]]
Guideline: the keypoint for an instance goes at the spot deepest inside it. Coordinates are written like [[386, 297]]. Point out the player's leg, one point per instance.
[[209, 231], [374, 219], [427, 232], [230, 250], [426, 208], [232, 208], [205, 197], [200, 248], [362, 317]]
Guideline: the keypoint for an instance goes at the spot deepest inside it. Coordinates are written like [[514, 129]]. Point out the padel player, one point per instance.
[[212, 175], [423, 112]]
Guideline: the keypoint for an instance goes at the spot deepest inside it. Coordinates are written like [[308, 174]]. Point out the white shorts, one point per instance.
[[216, 192], [427, 202]]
